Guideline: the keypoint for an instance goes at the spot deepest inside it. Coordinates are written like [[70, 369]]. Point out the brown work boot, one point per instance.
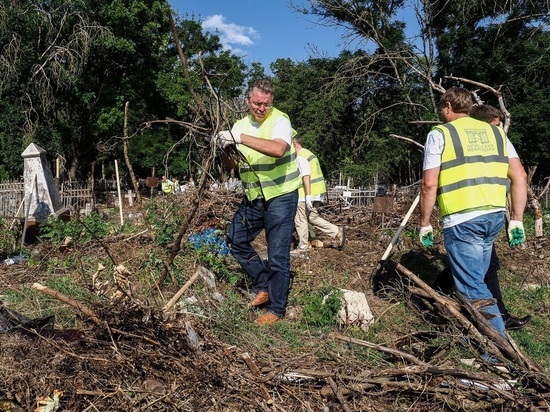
[[341, 236], [267, 318], [259, 299]]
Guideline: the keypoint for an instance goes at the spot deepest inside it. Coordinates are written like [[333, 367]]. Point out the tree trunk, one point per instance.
[[127, 158]]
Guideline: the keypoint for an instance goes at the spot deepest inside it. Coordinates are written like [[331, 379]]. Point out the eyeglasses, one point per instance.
[[257, 105]]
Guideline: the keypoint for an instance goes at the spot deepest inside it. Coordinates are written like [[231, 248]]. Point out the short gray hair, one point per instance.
[[264, 85]]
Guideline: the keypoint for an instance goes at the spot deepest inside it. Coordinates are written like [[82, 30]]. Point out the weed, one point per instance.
[[231, 319], [165, 220], [9, 236], [321, 309]]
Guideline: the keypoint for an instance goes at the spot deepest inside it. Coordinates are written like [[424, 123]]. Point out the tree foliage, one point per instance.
[[400, 73], [69, 67]]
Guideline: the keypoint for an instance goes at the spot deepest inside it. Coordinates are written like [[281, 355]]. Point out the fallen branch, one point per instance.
[[64, 298], [449, 310], [339, 395], [86, 310], [385, 349], [512, 351], [256, 372]]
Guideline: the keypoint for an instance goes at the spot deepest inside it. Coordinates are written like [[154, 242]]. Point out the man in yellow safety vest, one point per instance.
[[466, 170], [270, 177], [310, 196]]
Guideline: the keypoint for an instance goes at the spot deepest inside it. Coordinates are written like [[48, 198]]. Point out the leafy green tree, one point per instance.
[[396, 80], [69, 67], [503, 45]]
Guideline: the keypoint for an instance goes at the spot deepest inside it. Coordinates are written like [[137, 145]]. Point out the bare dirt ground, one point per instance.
[[135, 357]]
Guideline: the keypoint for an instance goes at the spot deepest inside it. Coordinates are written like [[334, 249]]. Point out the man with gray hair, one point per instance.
[[270, 176]]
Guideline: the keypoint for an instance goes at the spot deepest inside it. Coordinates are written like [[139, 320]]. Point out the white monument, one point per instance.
[[41, 195]]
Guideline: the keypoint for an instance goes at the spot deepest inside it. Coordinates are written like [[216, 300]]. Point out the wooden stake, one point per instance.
[[181, 291]]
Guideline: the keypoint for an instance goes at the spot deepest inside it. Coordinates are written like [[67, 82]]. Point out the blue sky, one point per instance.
[[263, 31]]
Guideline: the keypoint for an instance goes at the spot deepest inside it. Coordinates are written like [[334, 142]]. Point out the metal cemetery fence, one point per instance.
[[78, 196]]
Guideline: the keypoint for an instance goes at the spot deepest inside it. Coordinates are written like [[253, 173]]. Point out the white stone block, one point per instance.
[[355, 310]]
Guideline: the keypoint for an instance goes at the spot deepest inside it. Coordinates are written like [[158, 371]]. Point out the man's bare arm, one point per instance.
[[428, 195], [275, 147], [518, 188]]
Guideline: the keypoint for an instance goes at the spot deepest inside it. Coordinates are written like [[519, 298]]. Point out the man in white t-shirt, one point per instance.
[[444, 281], [466, 170], [270, 177]]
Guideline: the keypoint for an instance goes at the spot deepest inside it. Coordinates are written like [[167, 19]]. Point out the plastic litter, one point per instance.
[[14, 260]]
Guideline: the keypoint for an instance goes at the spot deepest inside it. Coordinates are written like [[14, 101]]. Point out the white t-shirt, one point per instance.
[[305, 170], [432, 159]]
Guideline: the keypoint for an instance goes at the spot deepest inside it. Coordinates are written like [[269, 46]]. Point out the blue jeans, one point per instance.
[[276, 216], [469, 246]]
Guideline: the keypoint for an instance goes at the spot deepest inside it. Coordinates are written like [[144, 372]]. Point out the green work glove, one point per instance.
[[516, 233], [427, 235]]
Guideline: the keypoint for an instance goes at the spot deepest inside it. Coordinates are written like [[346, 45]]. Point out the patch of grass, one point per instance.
[[534, 338]]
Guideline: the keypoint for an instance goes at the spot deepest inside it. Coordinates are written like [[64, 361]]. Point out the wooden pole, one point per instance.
[[119, 194], [181, 291], [27, 210]]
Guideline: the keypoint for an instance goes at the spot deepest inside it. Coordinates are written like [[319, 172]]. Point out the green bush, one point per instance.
[[81, 229], [8, 238]]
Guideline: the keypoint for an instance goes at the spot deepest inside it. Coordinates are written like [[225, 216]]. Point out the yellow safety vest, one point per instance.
[[266, 176], [474, 167], [316, 178], [167, 186]]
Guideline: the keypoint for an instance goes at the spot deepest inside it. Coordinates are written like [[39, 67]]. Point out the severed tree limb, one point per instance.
[[64, 298], [505, 344], [449, 310], [256, 372], [423, 294], [339, 395], [86, 310], [385, 349], [497, 343]]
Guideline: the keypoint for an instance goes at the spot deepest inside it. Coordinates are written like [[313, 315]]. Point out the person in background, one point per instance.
[[167, 185], [466, 170], [269, 173], [310, 196], [444, 281]]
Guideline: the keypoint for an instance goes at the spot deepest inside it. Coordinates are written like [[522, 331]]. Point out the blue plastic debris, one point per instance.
[[211, 239]]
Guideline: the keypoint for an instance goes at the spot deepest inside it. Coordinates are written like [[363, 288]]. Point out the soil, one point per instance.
[[135, 356]]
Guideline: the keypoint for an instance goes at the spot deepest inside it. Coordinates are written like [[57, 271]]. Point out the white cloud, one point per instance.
[[230, 34]]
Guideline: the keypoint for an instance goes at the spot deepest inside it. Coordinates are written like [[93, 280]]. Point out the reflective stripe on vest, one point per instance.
[[474, 167], [266, 176], [316, 178]]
